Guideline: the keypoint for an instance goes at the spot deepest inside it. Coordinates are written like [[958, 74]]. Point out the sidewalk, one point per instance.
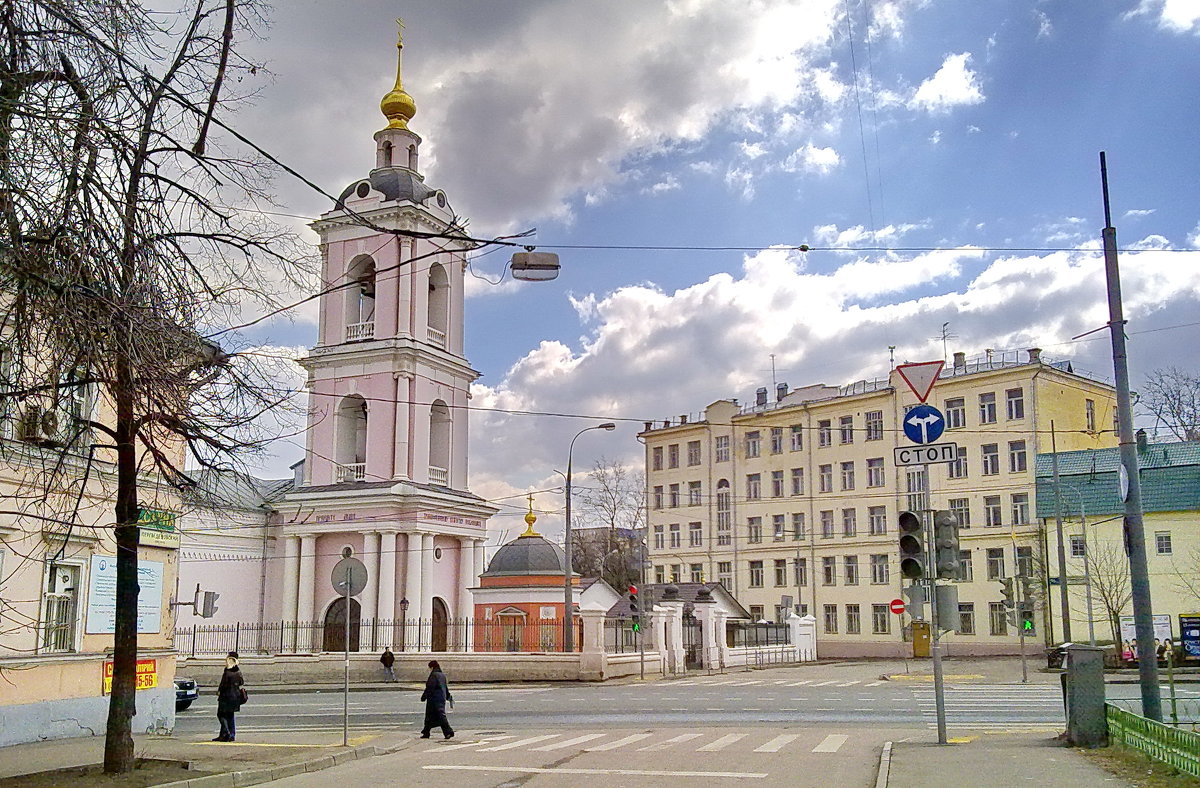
[[993, 761]]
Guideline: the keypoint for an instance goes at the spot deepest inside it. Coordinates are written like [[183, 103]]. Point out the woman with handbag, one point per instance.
[[231, 694]]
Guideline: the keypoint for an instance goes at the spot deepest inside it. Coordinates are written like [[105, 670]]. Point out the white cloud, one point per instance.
[[1179, 16], [669, 183], [751, 150], [935, 137], [1045, 27], [1137, 213], [953, 85], [810, 158]]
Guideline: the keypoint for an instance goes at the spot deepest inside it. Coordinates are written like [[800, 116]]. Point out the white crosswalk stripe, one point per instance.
[[671, 742], [682, 742], [832, 743], [562, 745], [512, 745], [721, 743], [777, 744], [612, 745], [999, 707]]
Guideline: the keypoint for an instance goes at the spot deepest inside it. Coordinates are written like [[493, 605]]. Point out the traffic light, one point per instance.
[[1025, 618], [1008, 597], [945, 541], [634, 612], [912, 548], [208, 608]]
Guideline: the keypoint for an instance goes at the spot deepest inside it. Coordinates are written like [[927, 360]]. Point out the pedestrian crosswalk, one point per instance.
[[983, 707], [615, 741], [727, 682]]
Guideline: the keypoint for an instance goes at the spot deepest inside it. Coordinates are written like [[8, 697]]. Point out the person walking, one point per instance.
[[387, 659], [436, 695], [230, 697]]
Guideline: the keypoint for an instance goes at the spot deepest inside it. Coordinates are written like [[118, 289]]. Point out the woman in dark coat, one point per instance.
[[229, 697], [436, 694]]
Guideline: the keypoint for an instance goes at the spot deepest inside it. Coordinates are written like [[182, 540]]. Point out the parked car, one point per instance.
[[186, 691]]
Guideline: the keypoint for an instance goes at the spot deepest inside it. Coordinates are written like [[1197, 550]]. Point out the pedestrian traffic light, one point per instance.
[[912, 548], [1008, 592], [1025, 618], [209, 607], [945, 540], [634, 611]]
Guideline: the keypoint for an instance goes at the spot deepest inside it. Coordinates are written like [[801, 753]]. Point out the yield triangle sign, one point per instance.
[[921, 376]]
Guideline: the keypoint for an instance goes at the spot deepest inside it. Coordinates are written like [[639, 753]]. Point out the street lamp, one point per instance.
[[568, 597], [403, 622]]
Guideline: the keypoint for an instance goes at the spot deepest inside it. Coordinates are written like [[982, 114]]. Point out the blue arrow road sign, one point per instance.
[[924, 424]]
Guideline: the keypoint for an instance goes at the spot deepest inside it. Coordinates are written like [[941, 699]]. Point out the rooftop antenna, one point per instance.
[[945, 336], [891, 357], [773, 383]]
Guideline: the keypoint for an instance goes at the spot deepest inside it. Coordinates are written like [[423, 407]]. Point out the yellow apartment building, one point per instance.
[[796, 499]]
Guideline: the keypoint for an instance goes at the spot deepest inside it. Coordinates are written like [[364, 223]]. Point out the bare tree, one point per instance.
[[1172, 396], [1109, 569], [611, 507]]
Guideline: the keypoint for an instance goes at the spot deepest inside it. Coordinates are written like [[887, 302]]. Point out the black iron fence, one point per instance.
[[738, 634], [621, 638]]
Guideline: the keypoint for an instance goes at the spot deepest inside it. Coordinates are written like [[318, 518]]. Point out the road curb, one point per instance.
[[885, 766], [271, 773]]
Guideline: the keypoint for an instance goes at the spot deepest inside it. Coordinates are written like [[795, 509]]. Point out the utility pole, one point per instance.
[[1062, 550], [1135, 534]]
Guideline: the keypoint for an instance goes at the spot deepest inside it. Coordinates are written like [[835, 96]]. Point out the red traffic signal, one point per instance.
[[633, 589]]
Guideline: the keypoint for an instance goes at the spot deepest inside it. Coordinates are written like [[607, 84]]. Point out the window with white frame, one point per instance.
[[754, 530], [997, 619], [1089, 414], [695, 494], [828, 570], [798, 526], [660, 542], [961, 509], [957, 468], [777, 440], [725, 573], [660, 574], [850, 569], [849, 521], [778, 527], [695, 535], [827, 524], [831, 619], [1016, 457], [756, 574], [853, 620], [956, 413], [1020, 508], [991, 510], [781, 573], [881, 620], [797, 481], [1014, 400], [1024, 561], [880, 570], [658, 496], [824, 433], [966, 567], [673, 455], [797, 437], [877, 520], [846, 429], [673, 496], [697, 573], [656, 458], [995, 563], [753, 486], [847, 475], [1162, 542], [675, 574], [721, 448], [60, 609], [875, 476], [675, 539], [756, 612], [800, 571], [966, 618], [989, 454], [693, 453], [776, 484], [753, 443], [1077, 545], [987, 408], [724, 514], [874, 424], [825, 478], [918, 495]]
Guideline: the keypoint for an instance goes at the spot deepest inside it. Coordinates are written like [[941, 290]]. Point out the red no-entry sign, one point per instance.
[[896, 606]]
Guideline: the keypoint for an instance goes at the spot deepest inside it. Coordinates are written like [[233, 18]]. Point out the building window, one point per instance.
[[781, 578], [987, 408], [831, 622], [881, 620], [1015, 404], [656, 458], [877, 520], [874, 420], [693, 453], [990, 459], [756, 612], [918, 497], [753, 486], [849, 522], [724, 514], [754, 530], [797, 437], [778, 527], [660, 574], [658, 496], [961, 509], [1025, 561], [673, 496], [997, 618], [853, 620], [776, 484], [777, 440], [60, 604], [695, 535], [846, 429], [800, 571], [875, 472], [991, 510], [847, 475], [721, 448], [850, 567], [966, 570], [824, 433], [695, 494], [798, 526], [1020, 508], [673, 455], [1089, 413], [995, 563], [676, 539], [956, 413], [752, 444], [725, 573], [780, 614], [966, 618], [828, 571], [1016, 457], [659, 540], [825, 478], [756, 574], [1162, 542], [958, 466], [827, 524], [880, 571], [797, 481], [697, 572]]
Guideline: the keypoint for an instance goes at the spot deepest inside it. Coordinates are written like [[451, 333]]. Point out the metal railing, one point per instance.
[[620, 638], [1177, 748], [738, 635]]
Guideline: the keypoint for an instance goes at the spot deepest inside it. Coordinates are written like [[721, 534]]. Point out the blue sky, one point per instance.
[[969, 132]]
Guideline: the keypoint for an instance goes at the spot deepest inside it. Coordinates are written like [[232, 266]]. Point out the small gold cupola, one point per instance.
[[397, 106], [530, 519]]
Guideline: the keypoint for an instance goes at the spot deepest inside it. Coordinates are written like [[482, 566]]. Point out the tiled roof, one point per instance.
[[1169, 474]]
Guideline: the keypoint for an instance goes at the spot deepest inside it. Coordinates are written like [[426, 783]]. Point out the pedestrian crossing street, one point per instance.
[[998, 707], [737, 682], [764, 741]]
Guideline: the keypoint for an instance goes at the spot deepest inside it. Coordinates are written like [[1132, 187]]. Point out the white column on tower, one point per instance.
[[466, 577], [308, 578], [427, 575], [387, 582], [290, 577], [480, 558], [370, 559], [412, 585]]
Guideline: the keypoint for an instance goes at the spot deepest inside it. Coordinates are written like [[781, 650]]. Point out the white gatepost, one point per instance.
[[712, 631], [655, 622], [592, 659], [673, 613], [802, 634]]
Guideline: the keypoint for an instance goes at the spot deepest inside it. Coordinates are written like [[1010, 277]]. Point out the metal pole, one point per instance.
[[935, 640], [1062, 550], [1022, 598], [568, 597], [346, 670], [1087, 575], [1135, 535]]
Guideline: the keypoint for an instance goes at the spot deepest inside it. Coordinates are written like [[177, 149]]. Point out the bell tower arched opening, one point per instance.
[[360, 299], [351, 439]]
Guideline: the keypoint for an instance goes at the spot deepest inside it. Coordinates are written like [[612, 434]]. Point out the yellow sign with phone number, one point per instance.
[[147, 675]]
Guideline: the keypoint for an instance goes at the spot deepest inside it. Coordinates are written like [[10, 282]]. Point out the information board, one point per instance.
[[102, 596], [147, 675]]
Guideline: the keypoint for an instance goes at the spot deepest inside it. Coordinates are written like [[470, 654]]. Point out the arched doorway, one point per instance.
[[440, 625], [335, 625]]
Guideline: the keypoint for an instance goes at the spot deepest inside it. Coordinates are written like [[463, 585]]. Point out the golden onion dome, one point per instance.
[[397, 106]]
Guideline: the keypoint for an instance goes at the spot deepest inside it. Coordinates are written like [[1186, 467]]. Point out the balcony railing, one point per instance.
[[358, 332], [352, 472], [437, 337], [439, 475]]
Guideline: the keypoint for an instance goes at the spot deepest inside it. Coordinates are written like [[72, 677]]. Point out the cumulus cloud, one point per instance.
[[953, 85], [810, 158], [1179, 16]]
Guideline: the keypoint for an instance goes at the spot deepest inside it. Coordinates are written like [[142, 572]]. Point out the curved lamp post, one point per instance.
[[568, 600]]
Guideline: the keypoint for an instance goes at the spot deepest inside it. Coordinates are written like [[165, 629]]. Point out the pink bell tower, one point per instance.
[[385, 468]]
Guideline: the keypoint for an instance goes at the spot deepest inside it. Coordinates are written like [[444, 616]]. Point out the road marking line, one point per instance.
[[662, 745], [833, 742], [612, 745], [876, 683], [256, 744], [850, 683], [512, 745], [799, 683], [569, 742], [745, 683], [776, 744], [637, 772], [720, 683], [721, 743]]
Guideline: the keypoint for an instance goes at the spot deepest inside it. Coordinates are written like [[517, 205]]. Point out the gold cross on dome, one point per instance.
[[400, 32]]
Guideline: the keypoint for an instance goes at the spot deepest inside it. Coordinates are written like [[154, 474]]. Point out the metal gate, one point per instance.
[[693, 642]]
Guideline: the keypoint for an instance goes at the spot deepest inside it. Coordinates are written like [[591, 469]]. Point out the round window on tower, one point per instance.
[[437, 554], [441, 200], [363, 189]]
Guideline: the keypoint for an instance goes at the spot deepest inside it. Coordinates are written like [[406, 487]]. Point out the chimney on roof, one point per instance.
[[683, 419], [780, 391], [1035, 355], [1143, 442], [760, 396], [960, 361], [649, 425], [666, 422]]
